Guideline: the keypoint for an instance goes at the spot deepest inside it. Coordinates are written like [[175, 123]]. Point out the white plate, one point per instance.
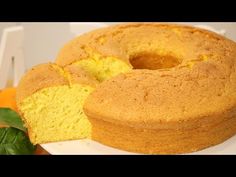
[[89, 147]]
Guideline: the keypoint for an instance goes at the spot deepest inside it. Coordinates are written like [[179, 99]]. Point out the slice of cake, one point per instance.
[[50, 99]]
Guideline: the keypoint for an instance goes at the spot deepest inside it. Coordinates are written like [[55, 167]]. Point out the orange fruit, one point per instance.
[[8, 98]]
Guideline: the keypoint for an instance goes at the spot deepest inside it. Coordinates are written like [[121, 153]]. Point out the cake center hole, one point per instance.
[[153, 61]]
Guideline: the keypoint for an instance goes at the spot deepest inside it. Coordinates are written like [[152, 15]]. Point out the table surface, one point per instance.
[[41, 151]]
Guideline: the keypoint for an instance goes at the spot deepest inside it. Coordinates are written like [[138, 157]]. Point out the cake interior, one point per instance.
[[103, 68], [56, 114]]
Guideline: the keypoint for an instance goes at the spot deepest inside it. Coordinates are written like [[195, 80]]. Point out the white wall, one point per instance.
[[4, 25], [43, 40]]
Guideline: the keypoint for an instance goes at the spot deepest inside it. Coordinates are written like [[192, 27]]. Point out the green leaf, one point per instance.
[[11, 118], [15, 142]]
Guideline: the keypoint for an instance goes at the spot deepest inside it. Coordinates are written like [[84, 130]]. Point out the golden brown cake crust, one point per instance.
[[125, 40], [176, 93], [162, 141], [40, 76], [50, 75], [196, 94]]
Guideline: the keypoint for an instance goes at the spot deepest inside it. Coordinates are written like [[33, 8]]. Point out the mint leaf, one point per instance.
[[11, 118], [15, 142]]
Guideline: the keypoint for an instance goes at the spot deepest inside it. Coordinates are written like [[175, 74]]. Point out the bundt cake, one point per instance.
[[146, 87], [180, 96]]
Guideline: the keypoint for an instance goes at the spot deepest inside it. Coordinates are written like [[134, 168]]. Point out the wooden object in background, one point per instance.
[[11, 55]]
